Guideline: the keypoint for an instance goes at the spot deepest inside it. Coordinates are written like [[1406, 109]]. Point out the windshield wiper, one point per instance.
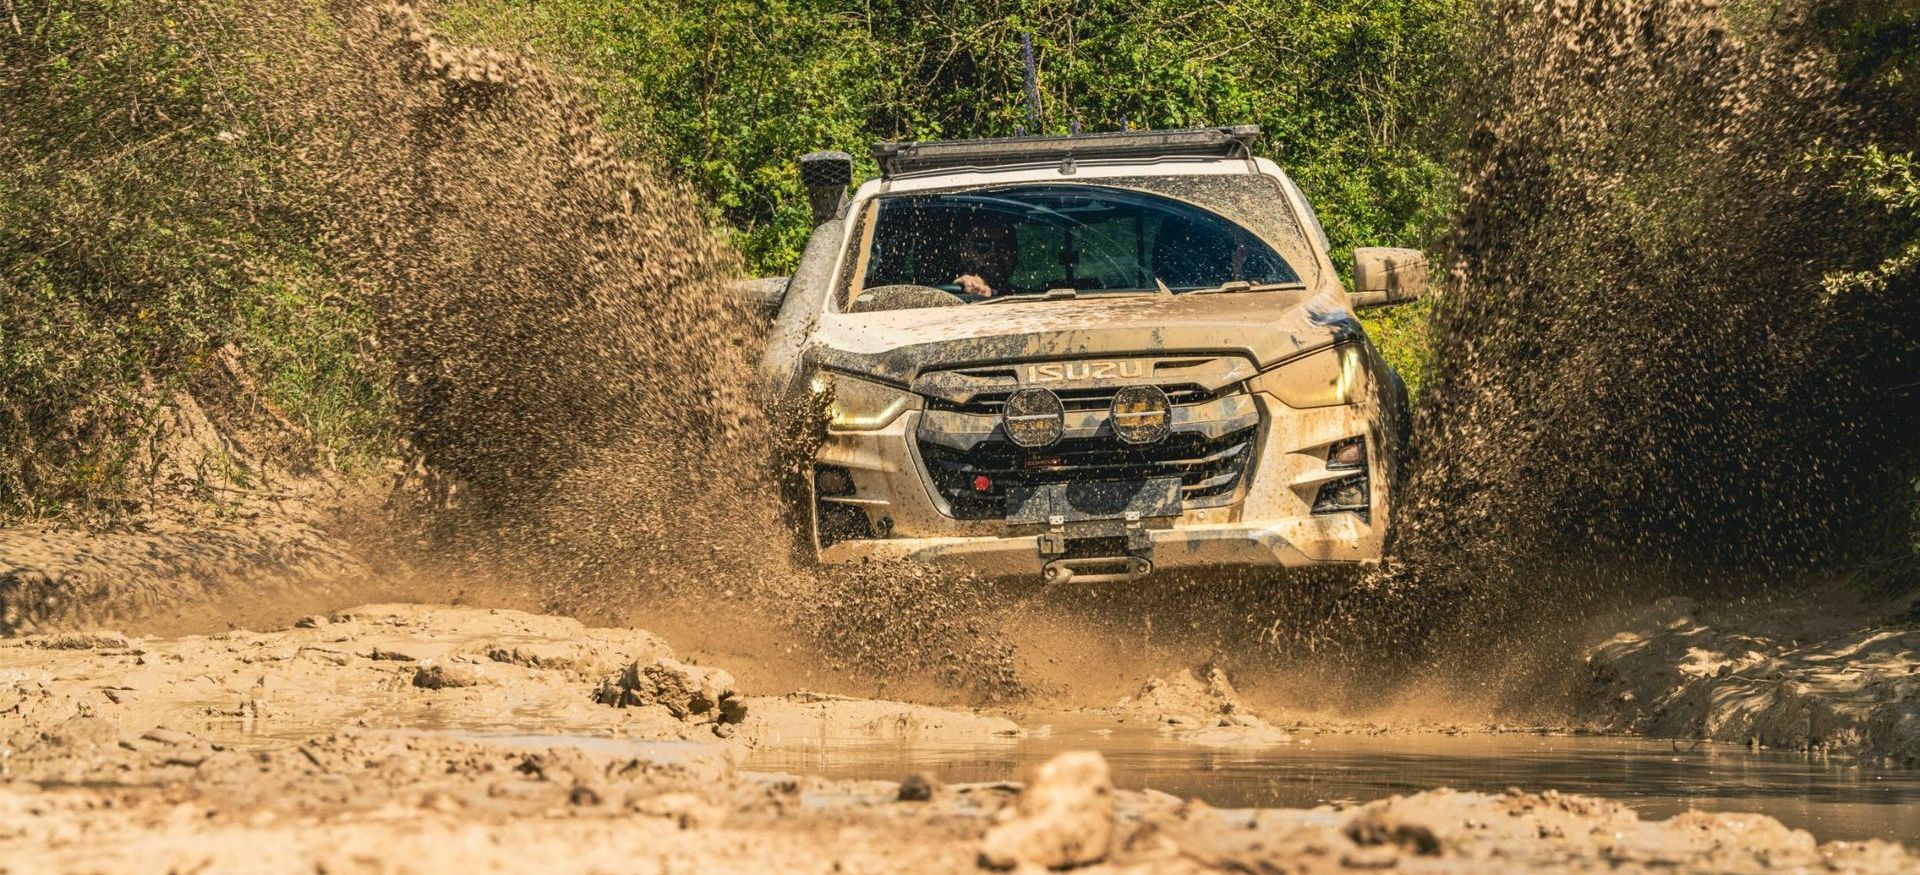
[[1244, 286], [1059, 294], [1064, 295]]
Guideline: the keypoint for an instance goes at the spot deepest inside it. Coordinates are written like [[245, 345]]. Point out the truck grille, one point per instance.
[[1209, 470], [1099, 398]]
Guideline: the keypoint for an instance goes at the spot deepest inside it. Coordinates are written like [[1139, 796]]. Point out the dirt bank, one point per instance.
[[64, 579], [412, 738], [1835, 674]]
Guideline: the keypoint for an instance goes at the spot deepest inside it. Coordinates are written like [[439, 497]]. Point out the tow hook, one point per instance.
[[1097, 569], [1135, 563]]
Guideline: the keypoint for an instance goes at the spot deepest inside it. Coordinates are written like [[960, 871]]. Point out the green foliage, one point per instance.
[[312, 349], [1878, 42], [730, 93], [727, 93], [148, 221]]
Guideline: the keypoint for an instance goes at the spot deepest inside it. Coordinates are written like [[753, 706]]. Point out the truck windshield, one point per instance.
[[981, 244]]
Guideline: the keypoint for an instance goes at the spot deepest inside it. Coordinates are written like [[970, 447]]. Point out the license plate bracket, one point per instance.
[[1100, 500]]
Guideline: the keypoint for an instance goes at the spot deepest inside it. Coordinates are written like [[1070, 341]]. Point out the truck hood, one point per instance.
[[898, 345]]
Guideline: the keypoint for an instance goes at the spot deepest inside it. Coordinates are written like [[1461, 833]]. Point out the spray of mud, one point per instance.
[[1641, 362], [1676, 352], [576, 391], [1657, 366], [579, 381]]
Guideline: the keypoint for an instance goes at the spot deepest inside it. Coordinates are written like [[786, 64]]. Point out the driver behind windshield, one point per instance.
[[987, 253], [942, 249]]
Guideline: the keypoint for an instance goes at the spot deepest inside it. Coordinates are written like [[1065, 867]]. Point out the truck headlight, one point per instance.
[[862, 405], [1332, 376]]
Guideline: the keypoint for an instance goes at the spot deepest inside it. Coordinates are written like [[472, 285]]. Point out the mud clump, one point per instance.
[[1201, 706], [445, 676], [1378, 828], [688, 692], [918, 787], [1063, 818]]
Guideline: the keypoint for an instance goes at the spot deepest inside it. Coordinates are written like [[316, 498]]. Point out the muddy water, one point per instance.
[[1833, 800]]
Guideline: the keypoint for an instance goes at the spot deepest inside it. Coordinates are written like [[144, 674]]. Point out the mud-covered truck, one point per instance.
[[1086, 358]]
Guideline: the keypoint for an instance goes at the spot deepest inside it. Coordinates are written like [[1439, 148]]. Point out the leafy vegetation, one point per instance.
[[730, 93], [149, 226]]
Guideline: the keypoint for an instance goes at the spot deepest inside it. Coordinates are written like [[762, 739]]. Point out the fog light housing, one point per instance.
[[832, 480], [1347, 454], [1033, 418], [1345, 495], [1141, 414]]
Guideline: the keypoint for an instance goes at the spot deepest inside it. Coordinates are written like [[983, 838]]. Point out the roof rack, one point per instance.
[[901, 159]]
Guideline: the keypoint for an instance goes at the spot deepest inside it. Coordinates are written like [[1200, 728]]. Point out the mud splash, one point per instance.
[[576, 382], [568, 354], [1675, 351], [1649, 349], [580, 379]]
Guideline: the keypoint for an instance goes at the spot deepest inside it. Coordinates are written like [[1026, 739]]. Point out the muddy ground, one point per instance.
[[1835, 671], [411, 738]]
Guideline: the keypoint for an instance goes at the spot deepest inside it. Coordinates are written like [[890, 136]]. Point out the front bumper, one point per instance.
[[1268, 523], [1278, 545]]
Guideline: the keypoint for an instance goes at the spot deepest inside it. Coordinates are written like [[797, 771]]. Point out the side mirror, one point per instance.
[[825, 176], [1384, 275]]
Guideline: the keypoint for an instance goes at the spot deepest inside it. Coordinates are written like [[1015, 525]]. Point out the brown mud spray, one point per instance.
[[1642, 355]]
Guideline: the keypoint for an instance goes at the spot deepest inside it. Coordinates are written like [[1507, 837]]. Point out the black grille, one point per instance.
[[1209, 470], [1074, 399]]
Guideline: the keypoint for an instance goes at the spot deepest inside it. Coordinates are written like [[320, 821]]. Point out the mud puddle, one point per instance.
[[1831, 799]]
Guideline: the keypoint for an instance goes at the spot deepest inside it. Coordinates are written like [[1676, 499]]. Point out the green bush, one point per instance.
[[730, 93], [150, 218]]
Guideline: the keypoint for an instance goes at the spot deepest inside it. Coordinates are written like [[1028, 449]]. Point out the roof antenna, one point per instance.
[[1033, 81]]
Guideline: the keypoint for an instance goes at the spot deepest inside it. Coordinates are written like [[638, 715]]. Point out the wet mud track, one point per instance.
[[1828, 797], [402, 738]]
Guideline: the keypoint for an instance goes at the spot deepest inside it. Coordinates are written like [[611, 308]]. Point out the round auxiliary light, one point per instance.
[[1141, 414], [1033, 417]]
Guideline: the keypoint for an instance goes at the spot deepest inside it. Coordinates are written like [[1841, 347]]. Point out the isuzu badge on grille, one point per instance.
[[1057, 371]]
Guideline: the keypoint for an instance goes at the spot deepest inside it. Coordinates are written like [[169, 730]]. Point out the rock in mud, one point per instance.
[[82, 733], [1202, 707], [687, 810], [447, 675], [1064, 817], [168, 737], [79, 641], [1373, 828], [689, 692], [919, 787]]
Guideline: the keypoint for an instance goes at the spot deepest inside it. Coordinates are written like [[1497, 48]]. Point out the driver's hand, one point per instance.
[[972, 284]]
